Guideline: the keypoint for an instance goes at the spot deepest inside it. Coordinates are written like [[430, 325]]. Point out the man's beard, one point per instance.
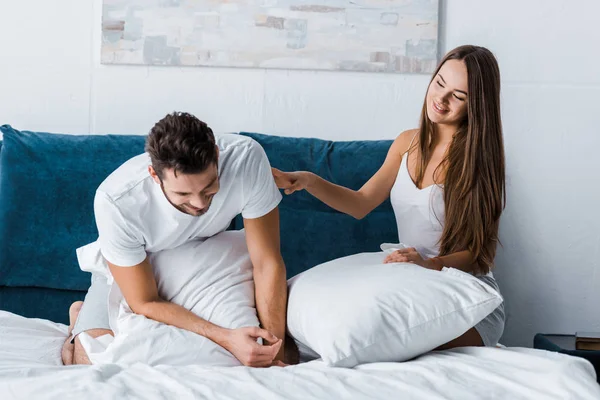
[[188, 211], [192, 211]]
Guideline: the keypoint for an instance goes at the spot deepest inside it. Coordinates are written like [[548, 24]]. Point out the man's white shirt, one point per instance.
[[135, 218]]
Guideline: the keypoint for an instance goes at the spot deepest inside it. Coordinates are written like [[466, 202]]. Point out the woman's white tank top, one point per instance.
[[419, 212]]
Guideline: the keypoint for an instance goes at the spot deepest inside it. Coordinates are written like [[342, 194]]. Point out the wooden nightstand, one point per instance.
[[566, 344]]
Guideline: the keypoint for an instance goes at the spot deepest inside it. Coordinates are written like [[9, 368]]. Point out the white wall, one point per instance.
[[51, 80], [549, 267]]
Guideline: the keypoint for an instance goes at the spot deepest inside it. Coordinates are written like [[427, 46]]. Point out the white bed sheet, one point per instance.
[[30, 368]]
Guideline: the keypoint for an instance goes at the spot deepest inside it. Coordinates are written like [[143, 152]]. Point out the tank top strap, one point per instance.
[[411, 142]]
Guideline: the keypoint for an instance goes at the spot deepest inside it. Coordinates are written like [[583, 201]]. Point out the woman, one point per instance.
[[445, 179]]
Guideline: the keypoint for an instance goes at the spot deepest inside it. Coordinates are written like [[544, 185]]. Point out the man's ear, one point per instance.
[[153, 174], [218, 153]]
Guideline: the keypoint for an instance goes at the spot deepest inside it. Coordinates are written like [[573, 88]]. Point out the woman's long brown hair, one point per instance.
[[474, 183]]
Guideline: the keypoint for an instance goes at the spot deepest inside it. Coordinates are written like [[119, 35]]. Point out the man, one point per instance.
[[187, 186]]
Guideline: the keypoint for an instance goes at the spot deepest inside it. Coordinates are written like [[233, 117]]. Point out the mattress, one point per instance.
[[30, 368]]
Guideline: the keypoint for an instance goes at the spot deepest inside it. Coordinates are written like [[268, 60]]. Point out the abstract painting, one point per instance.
[[397, 36]]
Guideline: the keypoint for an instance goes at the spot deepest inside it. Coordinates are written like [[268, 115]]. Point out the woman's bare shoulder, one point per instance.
[[402, 142]]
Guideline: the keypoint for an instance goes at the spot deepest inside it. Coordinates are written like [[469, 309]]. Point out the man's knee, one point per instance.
[[79, 354]]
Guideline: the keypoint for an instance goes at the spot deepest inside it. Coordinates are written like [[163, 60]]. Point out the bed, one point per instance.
[[65, 170], [30, 368]]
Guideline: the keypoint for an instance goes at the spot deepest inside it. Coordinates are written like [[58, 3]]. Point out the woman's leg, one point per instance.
[[485, 333], [469, 338]]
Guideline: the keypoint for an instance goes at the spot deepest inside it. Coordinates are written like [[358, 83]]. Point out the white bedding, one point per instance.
[[30, 368]]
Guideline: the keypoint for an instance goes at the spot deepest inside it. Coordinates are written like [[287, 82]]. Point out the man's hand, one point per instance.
[[243, 345]]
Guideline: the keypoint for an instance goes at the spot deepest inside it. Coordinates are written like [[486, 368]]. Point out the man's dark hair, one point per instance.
[[182, 142]]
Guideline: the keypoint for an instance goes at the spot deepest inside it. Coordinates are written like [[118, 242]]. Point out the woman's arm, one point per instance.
[[462, 260], [357, 203]]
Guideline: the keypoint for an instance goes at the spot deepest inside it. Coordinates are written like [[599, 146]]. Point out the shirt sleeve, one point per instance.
[[260, 191], [118, 244]]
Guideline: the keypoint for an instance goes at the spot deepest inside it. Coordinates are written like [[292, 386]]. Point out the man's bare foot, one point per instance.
[[68, 347], [73, 313]]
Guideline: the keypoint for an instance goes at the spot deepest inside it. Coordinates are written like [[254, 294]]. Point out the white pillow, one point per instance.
[[212, 278], [357, 310]]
